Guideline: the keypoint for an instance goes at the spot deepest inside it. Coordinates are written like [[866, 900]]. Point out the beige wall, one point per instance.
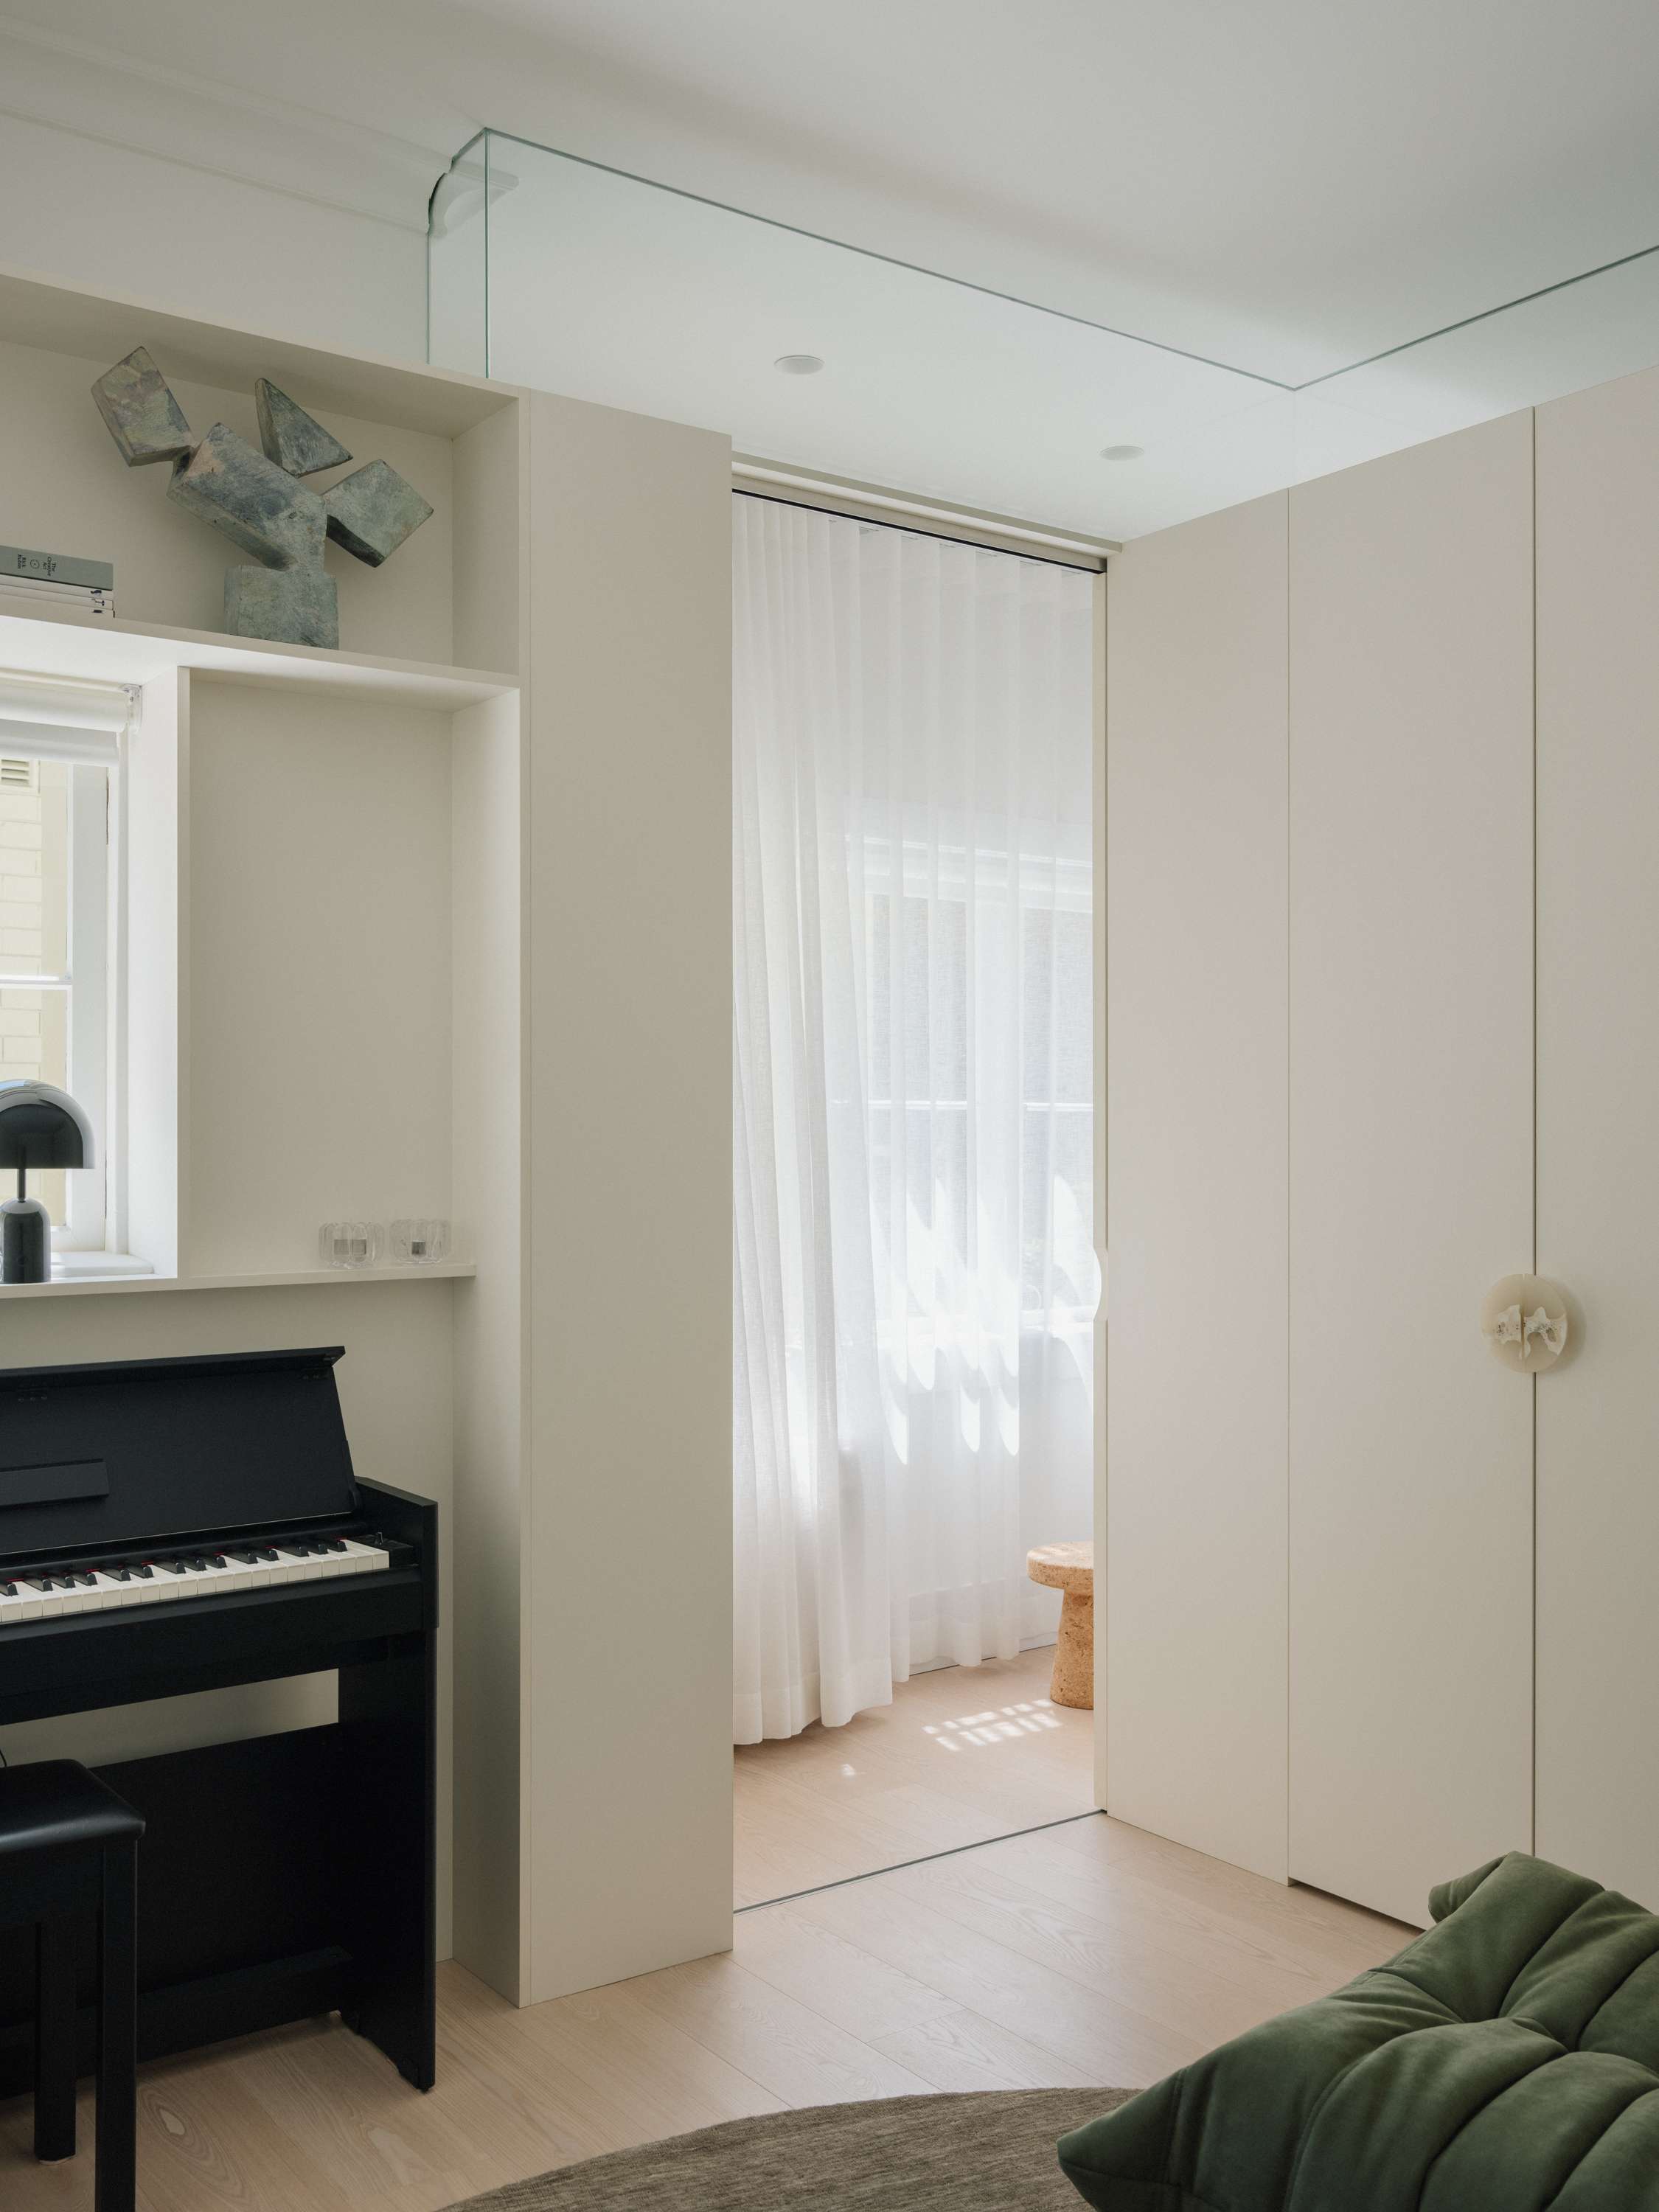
[[628, 1548], [318, 971]]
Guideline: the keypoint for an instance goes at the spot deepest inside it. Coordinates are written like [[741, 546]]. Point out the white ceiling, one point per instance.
[[1287, 186]]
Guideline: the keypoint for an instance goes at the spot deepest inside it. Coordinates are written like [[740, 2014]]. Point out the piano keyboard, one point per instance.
[[48, 1593]]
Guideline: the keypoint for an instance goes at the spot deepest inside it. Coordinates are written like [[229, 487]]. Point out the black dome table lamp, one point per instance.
[[41, 1127]]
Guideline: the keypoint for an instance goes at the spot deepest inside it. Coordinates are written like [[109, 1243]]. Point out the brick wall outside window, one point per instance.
[[34, 930]]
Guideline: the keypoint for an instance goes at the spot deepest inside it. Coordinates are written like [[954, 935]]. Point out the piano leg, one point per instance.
[[55, 2020], [388, 1716], [118, 2031]]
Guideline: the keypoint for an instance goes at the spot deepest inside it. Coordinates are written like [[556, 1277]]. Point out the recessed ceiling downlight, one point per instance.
[[798, 364], [1122, 453]]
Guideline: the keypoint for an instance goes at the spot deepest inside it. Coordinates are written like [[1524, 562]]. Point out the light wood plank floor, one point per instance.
[[963, 1755], [1090, 1955]]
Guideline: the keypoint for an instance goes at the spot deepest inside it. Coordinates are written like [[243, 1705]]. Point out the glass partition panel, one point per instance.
[[554, 272]]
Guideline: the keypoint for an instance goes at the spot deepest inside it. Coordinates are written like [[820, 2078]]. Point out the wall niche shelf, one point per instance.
[[432, 626], [437, 1270]]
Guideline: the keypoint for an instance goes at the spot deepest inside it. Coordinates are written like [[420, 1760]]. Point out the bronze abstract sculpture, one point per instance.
[[258, 501]]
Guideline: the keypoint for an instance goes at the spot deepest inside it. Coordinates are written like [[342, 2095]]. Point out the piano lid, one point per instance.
[[126, 1454]]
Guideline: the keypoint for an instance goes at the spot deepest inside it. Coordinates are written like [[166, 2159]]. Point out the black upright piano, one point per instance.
[[172, 1525]]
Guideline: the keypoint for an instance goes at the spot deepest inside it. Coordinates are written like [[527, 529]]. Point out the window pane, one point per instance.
[[34, 932], [1058, 1006]]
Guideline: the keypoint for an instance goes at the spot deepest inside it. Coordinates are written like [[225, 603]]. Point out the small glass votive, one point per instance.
[[420, 1241], [349, 1243]]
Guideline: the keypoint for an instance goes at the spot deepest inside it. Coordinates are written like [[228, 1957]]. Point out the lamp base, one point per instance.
[[24, 1241]]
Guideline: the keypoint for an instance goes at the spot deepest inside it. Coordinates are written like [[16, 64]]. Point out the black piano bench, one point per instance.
[[69, 1850]]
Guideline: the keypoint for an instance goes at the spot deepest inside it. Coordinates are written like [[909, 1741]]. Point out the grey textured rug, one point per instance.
[[992, 2151]]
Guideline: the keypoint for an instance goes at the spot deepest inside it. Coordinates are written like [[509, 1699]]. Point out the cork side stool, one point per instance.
[[1070, 1569]]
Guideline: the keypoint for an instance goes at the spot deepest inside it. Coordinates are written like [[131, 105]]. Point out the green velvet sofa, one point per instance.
[[1507, 2061]]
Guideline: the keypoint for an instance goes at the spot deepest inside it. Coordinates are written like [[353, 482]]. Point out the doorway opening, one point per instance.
[[915, 1272]]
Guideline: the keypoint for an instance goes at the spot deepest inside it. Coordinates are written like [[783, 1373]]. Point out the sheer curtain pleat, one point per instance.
[[912, 1267]]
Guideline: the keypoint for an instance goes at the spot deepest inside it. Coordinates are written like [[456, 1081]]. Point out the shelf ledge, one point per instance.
[[63, 642], [83, 1286]]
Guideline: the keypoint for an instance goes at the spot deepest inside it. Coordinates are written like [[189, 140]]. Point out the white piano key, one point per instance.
[[165, 1585]]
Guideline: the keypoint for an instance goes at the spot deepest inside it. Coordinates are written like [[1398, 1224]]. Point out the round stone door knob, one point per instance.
[[1524, 1321]]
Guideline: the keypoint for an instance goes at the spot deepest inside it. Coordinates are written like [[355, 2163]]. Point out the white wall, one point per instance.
[[1598, 1101], [1195, 1103], [203, 243]]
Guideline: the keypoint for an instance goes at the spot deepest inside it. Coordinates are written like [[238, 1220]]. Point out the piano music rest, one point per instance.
[[169, 1526], [67, 1848]]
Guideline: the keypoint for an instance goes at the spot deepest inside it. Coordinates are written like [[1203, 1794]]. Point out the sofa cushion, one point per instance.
[[1506, 2061]]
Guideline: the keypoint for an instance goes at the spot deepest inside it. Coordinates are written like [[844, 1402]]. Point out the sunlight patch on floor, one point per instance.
[[1004, 1725]]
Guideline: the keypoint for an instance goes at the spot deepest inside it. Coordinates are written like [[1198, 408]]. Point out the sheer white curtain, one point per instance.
[[913, 1060]]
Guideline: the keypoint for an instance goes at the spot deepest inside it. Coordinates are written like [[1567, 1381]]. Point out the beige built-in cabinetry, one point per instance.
[[1382, 824], [440, 924]]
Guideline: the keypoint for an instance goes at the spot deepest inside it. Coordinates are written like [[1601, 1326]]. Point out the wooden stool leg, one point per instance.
[[1074, 1682], [54, 2037], [118, 2032]]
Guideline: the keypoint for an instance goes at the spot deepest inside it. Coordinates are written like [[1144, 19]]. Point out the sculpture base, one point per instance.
[[24, 1241], [288, 606]]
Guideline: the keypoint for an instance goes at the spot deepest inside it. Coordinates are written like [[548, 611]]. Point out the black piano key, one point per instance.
[[64, 1582], [335, 1544], [44, 1583], [245, 1558], [146, 1572], [86, 1581], [218, 1560], [7, 1590], [266, 1553]]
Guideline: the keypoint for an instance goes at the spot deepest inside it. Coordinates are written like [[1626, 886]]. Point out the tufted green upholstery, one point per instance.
[[1507, 2061]]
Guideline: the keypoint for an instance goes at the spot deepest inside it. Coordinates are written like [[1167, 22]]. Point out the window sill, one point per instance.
[[104, 1286], [71, 1264]]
